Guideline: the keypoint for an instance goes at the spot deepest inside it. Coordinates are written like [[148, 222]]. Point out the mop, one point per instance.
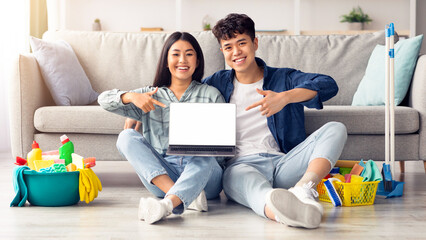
[[389, 110]]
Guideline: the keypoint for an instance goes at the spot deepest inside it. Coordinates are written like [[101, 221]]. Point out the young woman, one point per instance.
[[176, 179]]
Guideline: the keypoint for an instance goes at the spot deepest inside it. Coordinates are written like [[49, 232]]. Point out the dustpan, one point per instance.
[[389, 187], [397, 189]]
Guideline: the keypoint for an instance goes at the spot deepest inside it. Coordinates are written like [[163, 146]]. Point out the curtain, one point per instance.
[[38, 18], [17, 17]]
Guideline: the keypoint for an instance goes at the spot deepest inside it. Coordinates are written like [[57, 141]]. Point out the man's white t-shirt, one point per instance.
[[253, 134]]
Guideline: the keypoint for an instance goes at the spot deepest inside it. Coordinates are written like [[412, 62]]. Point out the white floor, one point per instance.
[[113, 215]]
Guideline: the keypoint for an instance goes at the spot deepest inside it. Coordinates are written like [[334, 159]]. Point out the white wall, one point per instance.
[[130, 15], [325, 14], [421, 22], [14, 22]]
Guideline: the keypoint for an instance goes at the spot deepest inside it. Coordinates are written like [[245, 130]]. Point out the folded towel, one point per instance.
[[47, 170], [371, 172], [19, 186], [362, 164]]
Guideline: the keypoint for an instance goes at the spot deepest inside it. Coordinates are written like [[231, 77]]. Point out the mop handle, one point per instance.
[[387, 110], [392, 96]]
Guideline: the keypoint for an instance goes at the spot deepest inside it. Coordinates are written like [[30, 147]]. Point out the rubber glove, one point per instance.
[[89, 185]]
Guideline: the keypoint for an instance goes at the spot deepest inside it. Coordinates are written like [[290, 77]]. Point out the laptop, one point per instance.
[[202, 129]]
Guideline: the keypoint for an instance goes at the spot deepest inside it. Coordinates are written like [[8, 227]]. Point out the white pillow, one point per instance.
[[62, 73]]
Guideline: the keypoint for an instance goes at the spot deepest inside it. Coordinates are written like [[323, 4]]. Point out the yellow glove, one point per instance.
[[85, 179], [84, 186], [97, 185], [98, 182], [89, 185], [90, 189], [81, 188]]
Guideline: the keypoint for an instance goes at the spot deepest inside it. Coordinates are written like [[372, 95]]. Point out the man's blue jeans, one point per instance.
[[247, 179], [190, 174]]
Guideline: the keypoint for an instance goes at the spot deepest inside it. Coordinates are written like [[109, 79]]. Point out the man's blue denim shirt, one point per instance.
[[288, 125]]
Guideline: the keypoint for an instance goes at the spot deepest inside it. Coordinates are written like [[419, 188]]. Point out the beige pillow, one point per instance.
[[62, 73]]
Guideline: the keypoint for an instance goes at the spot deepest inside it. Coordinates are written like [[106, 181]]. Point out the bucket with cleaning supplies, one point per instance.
[[54, 178], [351, 194], [52, 189], [350, 183]]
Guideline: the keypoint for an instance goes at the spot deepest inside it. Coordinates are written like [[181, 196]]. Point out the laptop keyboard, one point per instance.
[[201, 149]]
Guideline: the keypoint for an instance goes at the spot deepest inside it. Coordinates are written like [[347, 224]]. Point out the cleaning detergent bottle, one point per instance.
[[66, 149], [34, 154]]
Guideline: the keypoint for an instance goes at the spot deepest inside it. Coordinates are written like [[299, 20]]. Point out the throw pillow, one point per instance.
[[371, 90], [62, 73]]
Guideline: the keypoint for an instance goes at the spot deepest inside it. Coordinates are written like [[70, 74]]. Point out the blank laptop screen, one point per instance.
[[202, 124]]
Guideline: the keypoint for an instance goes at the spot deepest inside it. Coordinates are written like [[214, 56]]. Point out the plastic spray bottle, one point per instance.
[[66, 149], [34, 154]]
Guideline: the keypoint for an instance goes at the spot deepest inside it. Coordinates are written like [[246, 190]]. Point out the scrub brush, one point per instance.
[[332, 193]]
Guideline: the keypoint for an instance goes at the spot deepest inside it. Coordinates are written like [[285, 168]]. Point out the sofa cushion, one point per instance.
[[373, 147], [93, 119], [128, 60], [62, 73], [77, 119], [362, 119], [342, 57]]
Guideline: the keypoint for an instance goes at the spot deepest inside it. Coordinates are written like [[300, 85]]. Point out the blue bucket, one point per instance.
[[52, 189]]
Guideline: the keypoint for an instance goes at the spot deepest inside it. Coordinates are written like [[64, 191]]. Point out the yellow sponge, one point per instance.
[[356, 179], [78, 160], [340, 177], [39, 164], [71, 167]]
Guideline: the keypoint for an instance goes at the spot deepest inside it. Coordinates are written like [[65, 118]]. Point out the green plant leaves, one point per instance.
[[356, 15]]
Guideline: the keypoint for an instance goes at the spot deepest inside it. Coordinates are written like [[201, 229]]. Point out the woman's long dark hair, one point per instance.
[[163, 76]]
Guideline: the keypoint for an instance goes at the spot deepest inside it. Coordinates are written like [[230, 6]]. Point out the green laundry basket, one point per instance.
[[52, 189]]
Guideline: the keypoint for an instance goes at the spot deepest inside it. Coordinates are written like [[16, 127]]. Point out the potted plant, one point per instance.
[[356, 19], [96, 26], [206, 23], [207, 27]]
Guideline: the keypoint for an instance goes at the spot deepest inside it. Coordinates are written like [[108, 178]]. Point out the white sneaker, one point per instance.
[[295, 207], [200, 203], [141, 210], [152, 210]]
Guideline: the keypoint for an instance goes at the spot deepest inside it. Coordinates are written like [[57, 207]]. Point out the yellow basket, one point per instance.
[[352, 194]]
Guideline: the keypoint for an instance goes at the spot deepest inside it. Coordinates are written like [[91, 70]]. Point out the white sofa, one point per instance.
[[128, 61]]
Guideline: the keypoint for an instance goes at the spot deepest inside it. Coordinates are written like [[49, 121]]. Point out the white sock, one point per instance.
[[152, 210], [309, 177], [277, 219], [168, 203]]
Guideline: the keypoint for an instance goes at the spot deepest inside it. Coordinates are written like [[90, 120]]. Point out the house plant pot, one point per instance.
[[355, 26]]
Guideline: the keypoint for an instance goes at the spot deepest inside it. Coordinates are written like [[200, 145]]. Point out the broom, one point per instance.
[[389, 109]]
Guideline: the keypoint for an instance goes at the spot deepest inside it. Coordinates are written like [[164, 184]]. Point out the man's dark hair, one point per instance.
[[163, 78], [233, 24]]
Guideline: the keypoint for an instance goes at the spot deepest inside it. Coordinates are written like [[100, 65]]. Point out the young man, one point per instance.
[[273, 153]]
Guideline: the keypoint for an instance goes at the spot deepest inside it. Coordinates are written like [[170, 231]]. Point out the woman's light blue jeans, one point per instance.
[[247, 179], [190, 174]]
